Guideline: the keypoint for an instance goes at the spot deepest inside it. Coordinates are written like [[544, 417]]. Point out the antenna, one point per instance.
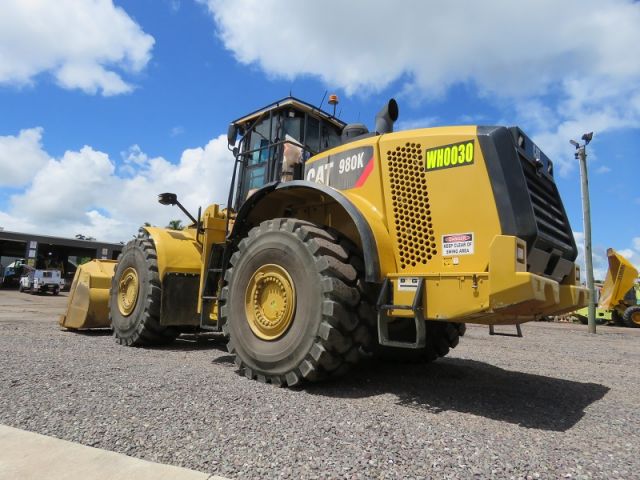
[[322, 101]]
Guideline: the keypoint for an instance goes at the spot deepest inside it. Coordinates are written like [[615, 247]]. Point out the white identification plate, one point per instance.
[[455, 244], [407, 283]]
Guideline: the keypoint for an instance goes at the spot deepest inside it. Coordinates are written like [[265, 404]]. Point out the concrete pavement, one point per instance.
[[26, 455]]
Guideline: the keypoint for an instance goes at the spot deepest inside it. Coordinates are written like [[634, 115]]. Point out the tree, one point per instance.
[[175, 225]]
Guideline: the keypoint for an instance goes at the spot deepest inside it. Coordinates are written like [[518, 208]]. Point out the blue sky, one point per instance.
[[132, 97]]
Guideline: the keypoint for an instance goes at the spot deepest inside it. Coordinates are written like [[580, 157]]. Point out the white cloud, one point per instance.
[[512, 48], [599, 259], [566, 67], [20, 156], [626, 253], [177, 130], [133, 157], [84, 192], [83, 44], [603, 169]]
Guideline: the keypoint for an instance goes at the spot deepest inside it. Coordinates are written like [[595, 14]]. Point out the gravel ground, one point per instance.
[[558, 403]]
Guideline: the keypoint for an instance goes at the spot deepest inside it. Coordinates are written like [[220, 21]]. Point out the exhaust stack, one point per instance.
[[386, 117]]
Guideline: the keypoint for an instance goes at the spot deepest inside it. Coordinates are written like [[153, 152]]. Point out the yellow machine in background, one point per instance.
[[340, 241], [619, 293], [89, 296]]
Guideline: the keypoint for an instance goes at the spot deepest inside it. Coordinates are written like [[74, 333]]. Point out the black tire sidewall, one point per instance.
[[128, 326], [276, 357], [628, 317]]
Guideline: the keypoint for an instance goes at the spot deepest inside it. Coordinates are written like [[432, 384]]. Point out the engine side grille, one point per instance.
[[410, 199], [552, 222]]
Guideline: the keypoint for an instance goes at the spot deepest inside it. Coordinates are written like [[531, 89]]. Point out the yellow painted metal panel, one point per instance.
[[505, 294], [426, 205]]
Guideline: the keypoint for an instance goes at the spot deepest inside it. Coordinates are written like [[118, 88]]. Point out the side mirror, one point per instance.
[[172, 199], [167, 199], [232, 134]]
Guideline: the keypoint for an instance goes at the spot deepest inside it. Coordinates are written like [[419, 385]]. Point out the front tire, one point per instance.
[[289, 305], [134, 304], [631, 317]]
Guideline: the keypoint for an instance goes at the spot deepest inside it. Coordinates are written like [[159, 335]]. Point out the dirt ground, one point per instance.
[[558, 403]]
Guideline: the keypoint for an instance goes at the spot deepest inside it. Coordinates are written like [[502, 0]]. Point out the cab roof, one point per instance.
[[296, 104]]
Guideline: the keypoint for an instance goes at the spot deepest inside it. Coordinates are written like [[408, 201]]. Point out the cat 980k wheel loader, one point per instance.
[[338, 241]]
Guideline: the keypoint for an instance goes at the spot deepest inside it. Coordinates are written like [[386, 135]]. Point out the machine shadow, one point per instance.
[[95, 332], [187, 342], [468, 386]]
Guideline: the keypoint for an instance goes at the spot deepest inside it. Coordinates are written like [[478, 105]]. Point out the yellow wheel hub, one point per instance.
[[635, 318], [270, 302], [128, 291]]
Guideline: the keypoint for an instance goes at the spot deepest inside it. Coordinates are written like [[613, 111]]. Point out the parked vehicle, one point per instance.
[[42, 281], [12, 274]]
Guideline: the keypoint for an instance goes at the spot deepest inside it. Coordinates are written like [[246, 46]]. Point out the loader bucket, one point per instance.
[[621, 277], [88, 305]]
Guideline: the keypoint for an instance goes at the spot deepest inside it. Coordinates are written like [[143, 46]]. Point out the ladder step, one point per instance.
[[518, 333], [209, 298], [417, 308], [395, 307], [215, 270]]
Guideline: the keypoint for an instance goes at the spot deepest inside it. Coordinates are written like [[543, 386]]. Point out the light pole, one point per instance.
[[581, 156]]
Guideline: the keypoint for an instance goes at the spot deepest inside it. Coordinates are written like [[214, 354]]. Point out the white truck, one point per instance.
[[42, 281]]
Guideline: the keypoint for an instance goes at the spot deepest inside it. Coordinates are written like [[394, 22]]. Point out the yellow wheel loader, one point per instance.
[[338, 242]]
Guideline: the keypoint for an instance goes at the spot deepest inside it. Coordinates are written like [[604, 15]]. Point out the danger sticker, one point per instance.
[[457, 244], [407, 283]]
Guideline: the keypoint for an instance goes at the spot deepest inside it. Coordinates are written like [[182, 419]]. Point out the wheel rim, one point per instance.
[[128, 291], [270, 302], [635, 317]]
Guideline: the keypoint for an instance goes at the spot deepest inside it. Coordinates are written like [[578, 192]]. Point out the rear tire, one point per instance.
[[141, 325], [441, 337], [324, 334], [631, 317]]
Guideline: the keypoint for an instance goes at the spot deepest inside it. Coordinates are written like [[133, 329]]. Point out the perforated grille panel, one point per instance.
[[411, 209]]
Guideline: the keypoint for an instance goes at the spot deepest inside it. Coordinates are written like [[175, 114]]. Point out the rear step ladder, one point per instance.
[[517, 334], [383, 306], [213, 275]]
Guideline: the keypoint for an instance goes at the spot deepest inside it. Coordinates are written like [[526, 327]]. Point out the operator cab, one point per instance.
[[276, 141]]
